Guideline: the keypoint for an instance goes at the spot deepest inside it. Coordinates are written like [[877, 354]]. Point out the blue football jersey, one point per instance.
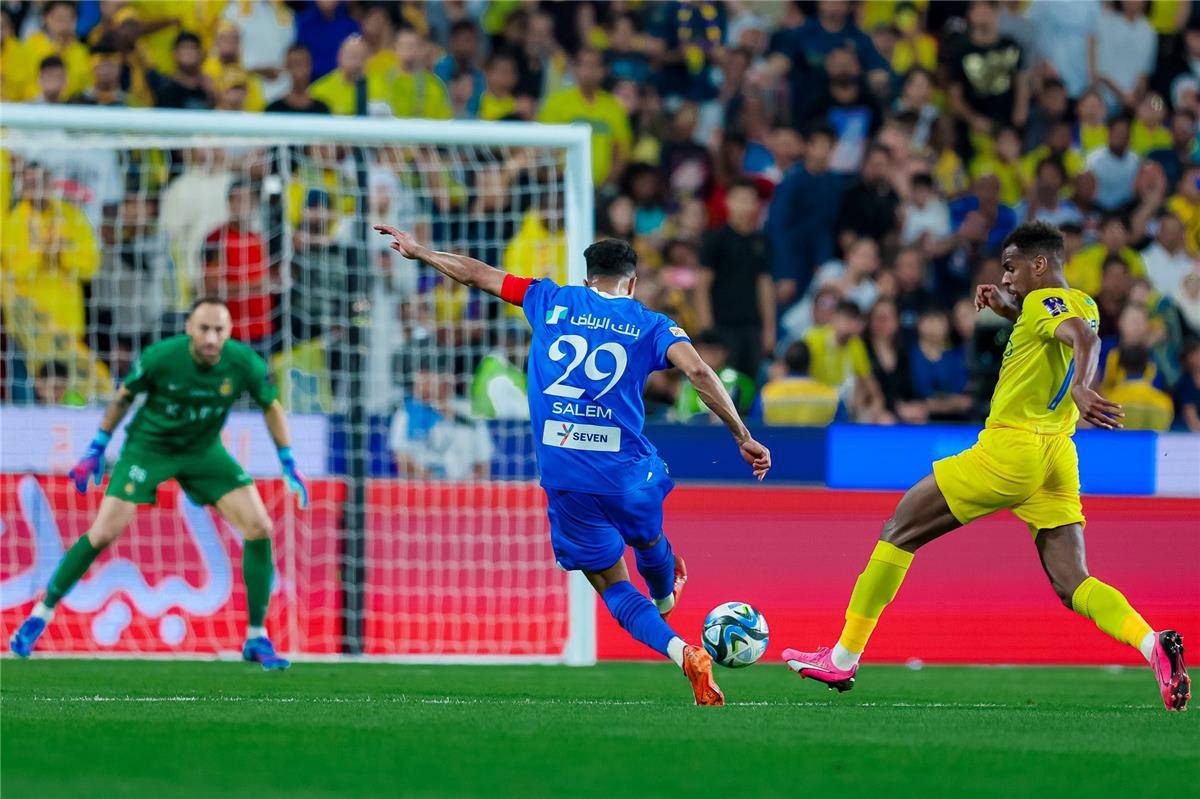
[[588, 362]]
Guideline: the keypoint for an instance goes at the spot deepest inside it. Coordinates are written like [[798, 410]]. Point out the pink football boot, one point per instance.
[[819, 666], [1167, 662]]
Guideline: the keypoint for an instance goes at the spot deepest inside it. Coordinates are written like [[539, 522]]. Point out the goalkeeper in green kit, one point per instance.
[[190, 382]]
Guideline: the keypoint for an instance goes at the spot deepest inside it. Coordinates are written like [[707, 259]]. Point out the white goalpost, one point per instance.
[[426, 537]]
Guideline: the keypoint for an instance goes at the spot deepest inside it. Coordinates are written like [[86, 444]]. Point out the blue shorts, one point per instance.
[[590, 531]]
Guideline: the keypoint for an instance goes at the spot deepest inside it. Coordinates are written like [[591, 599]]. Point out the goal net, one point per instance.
[[426, 534]]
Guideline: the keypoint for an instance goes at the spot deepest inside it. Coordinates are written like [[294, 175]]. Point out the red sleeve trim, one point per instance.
[[513, 289]]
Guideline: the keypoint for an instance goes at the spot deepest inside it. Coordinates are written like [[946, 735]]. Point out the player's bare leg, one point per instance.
[[634, 612], [921, 516], [244, 509], [112, 519], [1064, 559]]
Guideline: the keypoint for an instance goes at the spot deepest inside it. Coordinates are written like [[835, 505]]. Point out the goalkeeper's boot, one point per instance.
[[1167, 662], [259, 650], [819, 666], [680, 579], [26, 636], [698, 667]]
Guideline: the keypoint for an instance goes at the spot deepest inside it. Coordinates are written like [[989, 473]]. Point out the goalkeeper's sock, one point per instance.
[[1112, 613], [656, 564], [73, 566], [638, 616], [257, 570], [874, 589]]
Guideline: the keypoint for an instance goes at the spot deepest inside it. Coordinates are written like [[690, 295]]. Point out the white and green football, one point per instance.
[[735, 634]]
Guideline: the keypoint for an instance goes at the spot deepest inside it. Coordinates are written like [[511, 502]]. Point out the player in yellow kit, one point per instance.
[[1025, 461]]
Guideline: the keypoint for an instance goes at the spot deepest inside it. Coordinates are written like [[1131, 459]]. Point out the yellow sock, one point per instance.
[[1111, 611], [874, 589]]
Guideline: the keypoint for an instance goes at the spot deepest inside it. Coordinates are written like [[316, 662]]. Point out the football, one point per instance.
[[735, 634]]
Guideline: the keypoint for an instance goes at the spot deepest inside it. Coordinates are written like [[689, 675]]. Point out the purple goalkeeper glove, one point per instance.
[[92, 463], [291, 475]]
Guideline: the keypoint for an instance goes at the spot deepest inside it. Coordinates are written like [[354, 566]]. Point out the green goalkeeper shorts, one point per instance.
[[206, 476]]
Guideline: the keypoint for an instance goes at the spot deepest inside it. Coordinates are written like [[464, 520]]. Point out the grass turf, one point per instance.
[[187, 729]]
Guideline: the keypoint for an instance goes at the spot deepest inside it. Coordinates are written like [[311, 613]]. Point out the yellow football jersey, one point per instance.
[[1033, 392]]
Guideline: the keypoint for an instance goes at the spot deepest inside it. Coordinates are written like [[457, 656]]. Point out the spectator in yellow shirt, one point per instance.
[[1186, 205], [587, 102], [227, 58], [500, 79], [1058, 145], [1145, 407], [59, 39], [840, 361], [1093, 113], [48, 252], [1148, 131], [14, 63], [410, 89], [345, 90], [1004, 161], [379, 34], [797, 399], [1085, 269]]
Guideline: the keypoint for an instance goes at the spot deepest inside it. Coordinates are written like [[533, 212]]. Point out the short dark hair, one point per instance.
[[797, 358], [186, 37], [46, 9], [820, 129], [922, 179], [501, 55], [611, 258], [848, 308], [743, 183], [1055, 164], [1124, 117], [1134, 359], [709, 338], [463, 26], [50, 62], [1036, 238], [53, 369], [208, 299], [296, 47]]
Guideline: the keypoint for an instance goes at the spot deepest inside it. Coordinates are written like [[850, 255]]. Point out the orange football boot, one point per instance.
[[697, 667]]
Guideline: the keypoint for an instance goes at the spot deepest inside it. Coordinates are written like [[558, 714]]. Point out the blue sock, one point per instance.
[[638, 616], [656, 564]]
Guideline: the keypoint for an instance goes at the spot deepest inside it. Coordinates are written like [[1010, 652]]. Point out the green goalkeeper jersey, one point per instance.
[[187, 402]]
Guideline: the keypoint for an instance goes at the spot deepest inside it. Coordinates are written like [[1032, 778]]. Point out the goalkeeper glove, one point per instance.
[[92, 463], [291, 475]]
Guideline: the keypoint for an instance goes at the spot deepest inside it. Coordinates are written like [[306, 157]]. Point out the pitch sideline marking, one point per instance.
[[449, 700]]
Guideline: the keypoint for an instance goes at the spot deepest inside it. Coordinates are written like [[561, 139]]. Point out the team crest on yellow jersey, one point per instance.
[[226, 388]]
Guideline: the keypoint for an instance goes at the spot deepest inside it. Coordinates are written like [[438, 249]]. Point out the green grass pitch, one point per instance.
[[112, 729]]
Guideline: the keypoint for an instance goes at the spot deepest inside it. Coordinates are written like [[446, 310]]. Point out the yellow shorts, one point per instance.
[[1036, 476]]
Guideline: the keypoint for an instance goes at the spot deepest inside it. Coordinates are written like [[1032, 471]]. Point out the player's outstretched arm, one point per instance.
[[710, 388], [992, 296], [1083, 341], [91, 465], [468, 271], [277, 425]]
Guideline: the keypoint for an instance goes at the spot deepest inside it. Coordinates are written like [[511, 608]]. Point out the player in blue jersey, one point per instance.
[[593, 348]]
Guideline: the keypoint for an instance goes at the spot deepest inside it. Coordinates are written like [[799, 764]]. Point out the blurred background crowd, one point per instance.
[[814, 190]]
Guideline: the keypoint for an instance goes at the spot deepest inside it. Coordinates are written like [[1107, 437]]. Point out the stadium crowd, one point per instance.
[[814, 190]]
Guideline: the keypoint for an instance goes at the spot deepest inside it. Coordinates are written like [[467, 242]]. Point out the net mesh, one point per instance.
[[405, 392]]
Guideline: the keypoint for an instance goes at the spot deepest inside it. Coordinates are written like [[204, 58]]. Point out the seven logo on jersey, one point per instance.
[[1055, 305], [555, 314], [571, 435]]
